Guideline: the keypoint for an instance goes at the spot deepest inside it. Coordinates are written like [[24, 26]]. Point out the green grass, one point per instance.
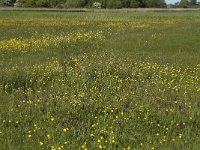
[[99, 80]]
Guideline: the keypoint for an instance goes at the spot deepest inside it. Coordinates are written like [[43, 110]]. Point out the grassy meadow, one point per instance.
[[124, 81]]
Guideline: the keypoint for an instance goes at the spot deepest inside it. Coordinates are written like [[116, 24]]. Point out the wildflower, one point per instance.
[[126, 105], [41, 143], [65, 142], [158, 121], [181, 125], [48, 136], [65, 129], [119, 123]]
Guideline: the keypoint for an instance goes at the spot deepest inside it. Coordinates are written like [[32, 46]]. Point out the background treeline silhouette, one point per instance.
[[96, 3]]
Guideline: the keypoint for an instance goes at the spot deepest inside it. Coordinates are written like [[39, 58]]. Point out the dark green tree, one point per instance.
[[134, 3], [125, 3], [75, 3], [114, 4], [27, 3], [184, 4], [155, 3], [43, 3], [193, 1], [57, 3], [7, 2]]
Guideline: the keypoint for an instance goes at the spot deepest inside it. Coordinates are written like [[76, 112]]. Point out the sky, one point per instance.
[[171, 1]]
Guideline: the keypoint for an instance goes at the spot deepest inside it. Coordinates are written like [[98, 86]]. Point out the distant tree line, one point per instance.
[[186, 4], [95, 3]]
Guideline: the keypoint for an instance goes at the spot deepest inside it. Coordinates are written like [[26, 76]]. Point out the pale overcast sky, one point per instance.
[[171, 1]]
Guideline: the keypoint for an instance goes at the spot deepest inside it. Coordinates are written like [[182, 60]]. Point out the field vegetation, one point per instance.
[[99, 81]]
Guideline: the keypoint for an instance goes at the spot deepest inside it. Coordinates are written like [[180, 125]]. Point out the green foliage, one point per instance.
[[43, 3], [142, 3], [7, 2], [184, 3], [134, 3], [125, 3], [1, 2], [155, 3], [27, 3], [114, 4], [193, 1], [187, 4], [87, 3], [74, 3]]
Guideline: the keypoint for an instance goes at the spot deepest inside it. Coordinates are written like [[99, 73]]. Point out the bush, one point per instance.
[[42, 3], [1, 2], [27, 3], [114, 4], [57, 3], [7, 2], [134, 4], [74, 3]]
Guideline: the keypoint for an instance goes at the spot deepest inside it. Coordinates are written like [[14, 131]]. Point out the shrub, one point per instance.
[[42, 3], [134, 4], [74, 3], [27, 3], [114, 4], [7, 2]]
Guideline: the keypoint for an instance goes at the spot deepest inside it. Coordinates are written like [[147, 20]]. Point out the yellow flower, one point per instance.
[[65, 129], [48, 136], [65, 142], [41, 143]]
